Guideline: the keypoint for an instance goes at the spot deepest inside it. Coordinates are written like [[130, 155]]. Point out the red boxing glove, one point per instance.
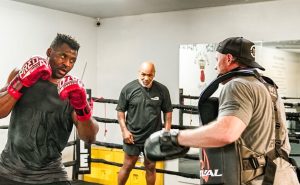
[[34, 69], [73, 88]]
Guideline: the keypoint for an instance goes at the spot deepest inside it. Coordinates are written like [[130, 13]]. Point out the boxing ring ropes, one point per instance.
[[183, 109]]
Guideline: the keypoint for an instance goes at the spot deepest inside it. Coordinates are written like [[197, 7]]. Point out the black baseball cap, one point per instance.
[[242, 49]]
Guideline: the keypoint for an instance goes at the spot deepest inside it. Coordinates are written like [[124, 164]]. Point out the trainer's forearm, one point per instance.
[[225, 130], [203, 137]]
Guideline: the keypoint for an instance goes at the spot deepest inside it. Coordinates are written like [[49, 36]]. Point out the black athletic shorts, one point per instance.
[[132, 149]]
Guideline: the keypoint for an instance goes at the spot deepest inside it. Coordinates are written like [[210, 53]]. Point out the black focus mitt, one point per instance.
[[163, 145]]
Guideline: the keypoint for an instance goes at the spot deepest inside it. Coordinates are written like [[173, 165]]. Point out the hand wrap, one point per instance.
[[72, 88], [163, 145]]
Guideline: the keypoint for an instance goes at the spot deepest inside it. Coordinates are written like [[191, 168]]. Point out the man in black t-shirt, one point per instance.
[[143, 99], [44, 102]]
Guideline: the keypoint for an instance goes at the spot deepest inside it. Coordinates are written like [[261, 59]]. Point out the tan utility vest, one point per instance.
[[235, 164]]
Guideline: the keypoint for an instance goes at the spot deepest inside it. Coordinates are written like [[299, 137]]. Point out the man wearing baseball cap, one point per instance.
[[245, 119], [242, 51]]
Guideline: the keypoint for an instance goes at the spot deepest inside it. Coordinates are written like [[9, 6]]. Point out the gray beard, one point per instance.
[[148, 86]]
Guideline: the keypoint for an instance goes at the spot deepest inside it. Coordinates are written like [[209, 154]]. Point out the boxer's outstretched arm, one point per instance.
[[7, 102]]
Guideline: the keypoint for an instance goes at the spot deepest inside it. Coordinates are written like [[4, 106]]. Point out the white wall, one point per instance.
[[124, 42], [115, 49], [284, 69], [29, 30]]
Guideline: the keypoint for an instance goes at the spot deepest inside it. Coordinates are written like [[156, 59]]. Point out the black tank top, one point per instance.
[[39, 129]]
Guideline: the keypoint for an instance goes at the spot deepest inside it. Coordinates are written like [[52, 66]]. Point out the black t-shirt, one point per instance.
[[144, 107], [39, 130]]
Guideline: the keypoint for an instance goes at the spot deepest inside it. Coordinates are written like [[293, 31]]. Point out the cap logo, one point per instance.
[[252, 51]]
